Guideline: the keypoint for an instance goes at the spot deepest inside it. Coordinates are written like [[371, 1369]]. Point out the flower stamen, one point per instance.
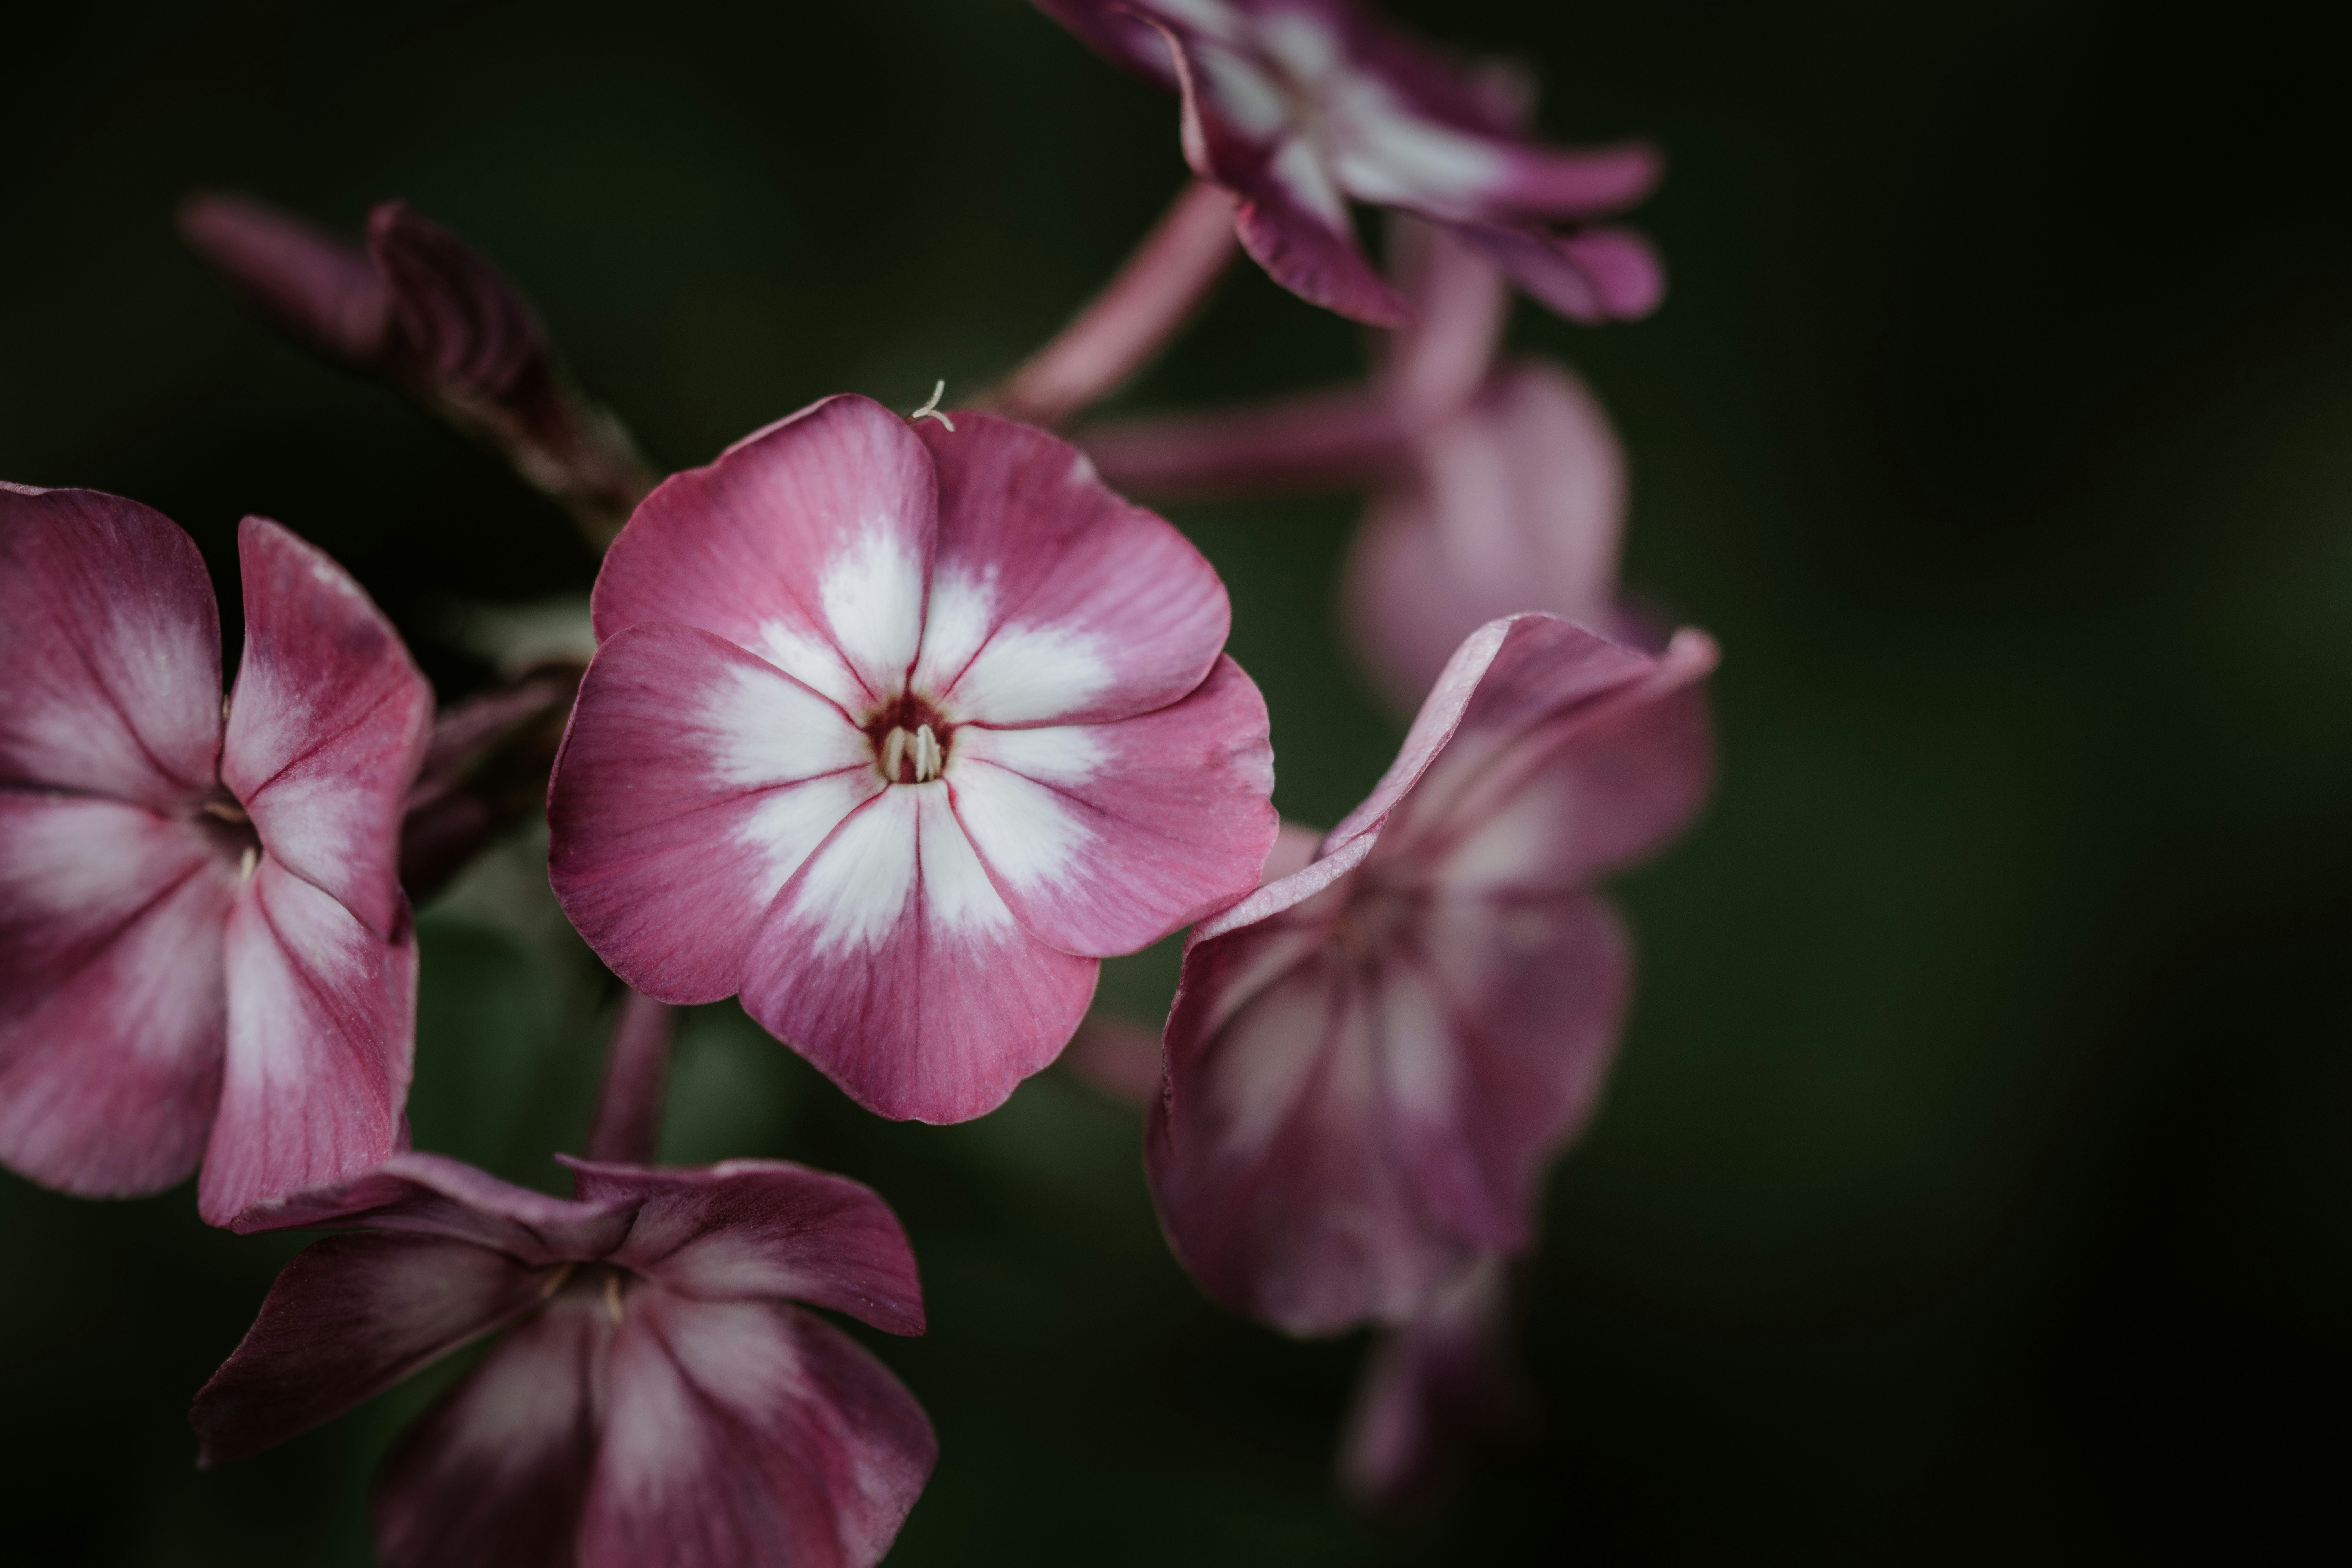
[[931, 410], [921, 750]]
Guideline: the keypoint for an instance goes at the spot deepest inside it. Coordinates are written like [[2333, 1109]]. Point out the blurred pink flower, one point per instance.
[[897, 732], [204, 950], [1494, 487], [1299, 106], [657, 1396], [423, 307], [1370, 1061]]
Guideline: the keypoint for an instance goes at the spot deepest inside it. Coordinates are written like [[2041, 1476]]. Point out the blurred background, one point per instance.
[[1977, 1178]]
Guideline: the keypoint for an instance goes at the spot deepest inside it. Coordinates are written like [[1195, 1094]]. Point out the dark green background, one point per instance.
[[1976, 1183]]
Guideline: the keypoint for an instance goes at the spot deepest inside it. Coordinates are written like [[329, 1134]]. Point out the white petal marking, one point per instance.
[[1267, 1055], [955, 624], [1298, 168], [1415, 1043], [789, 824], [872, 600], [769, 732], [1381, 152], [1029, 674], [854, 893], [958, 896]]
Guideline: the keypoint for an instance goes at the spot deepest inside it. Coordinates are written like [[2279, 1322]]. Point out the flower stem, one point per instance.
[[628, 1111], [1341, 439], [1133, 316]]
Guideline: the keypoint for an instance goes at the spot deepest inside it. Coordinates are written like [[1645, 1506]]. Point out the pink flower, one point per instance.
[[1301, 105], [896, 732], [1494, 487], [656, 1397], [204, 952], [1370, 1061]]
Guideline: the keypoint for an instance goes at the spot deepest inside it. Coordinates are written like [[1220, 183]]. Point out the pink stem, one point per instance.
[[1343, 440], [1140, 308], [628, 1111]]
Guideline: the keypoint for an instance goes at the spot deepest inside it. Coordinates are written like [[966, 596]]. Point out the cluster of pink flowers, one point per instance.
[[896, 726]]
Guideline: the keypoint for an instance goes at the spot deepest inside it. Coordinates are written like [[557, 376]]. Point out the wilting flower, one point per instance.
[[422, 306], [203, 950], [1370, 1061], [1495, 487], [1299, 106], [656, 1397], [1434, 1386], [896, 731]]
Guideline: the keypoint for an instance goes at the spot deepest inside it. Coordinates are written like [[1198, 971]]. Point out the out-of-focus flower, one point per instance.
[[1370, 1061], [203, 949], [1494, 488], [1434, 1386], [896, 732], [657, 1396], [1299, 106], [422, 306]]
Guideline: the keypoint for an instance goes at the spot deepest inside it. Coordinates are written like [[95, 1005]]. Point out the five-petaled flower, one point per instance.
[[1370, 1060], [1299, 106], [896, 732], [203, 949], [656, 1397]]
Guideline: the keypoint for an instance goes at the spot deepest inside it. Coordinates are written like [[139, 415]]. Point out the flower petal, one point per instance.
[[410, 1193], [496, 1473], [1520, 671], [808, 543], [1103, 838], [1293, 220], [1291, 229], [1344, 1129], [892, 964], [1589, 275], [110, 1004], [1519, 505], [749, 1434], [350, 1317], [1561, 768], [326, 725], [751, 1229], [1052, 600], [321, 1021], [112, 642], [1270, 1156], [694, 781], [1496, 1045]]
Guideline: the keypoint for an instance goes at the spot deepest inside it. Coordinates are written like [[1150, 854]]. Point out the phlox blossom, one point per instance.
[[1300, 107], [204, 952], [1370, 1060], [896, 731], [655, 1394]]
